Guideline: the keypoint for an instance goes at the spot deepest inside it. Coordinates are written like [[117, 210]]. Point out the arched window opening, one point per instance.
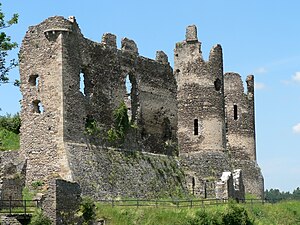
[[235, 112], [82, 83], [196, 127], [37, 106], [218, 84], [34, 80]]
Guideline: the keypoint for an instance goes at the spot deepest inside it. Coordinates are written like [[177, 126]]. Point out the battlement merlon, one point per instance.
[[129, 45], [191, 34], [161, 57], [109, 40], [250, 86]]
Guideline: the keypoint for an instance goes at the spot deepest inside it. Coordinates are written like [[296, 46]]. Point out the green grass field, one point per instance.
[[285, 213]]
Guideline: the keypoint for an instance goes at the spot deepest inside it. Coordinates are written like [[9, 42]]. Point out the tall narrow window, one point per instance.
[[128, 100], [218, 84], [235, 112], [193, 185], [196, 127], [82, 84]]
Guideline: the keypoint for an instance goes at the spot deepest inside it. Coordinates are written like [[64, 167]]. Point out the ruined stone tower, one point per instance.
[[240, 130], [178, 126], [200, 96], [201, 115]]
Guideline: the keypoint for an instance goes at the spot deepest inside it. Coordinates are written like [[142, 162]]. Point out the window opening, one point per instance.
[[235, 112], [127, 99], [34, 80], [82, 83], [218, 84], [37, 106], [196, 127]]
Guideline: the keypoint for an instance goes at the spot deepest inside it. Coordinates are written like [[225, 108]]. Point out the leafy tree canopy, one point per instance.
[[6, 44]]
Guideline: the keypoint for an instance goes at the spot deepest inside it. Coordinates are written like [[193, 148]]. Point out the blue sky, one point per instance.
[[258, 37]]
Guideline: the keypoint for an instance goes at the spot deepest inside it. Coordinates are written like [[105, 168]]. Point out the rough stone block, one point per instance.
[[191, 34]]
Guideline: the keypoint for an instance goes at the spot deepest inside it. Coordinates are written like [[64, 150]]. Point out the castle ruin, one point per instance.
[[188, 125]]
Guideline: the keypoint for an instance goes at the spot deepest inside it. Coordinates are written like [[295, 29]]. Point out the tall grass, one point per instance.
[[285, 213]]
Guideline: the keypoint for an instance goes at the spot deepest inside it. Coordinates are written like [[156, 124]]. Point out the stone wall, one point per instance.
[[202, 169], [61, 201], [107, 173], [12, 176], [252, 177]]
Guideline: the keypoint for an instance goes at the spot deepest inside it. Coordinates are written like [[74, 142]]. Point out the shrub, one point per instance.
[[38, 218], [87, 210], [203, 218], [235, 214]]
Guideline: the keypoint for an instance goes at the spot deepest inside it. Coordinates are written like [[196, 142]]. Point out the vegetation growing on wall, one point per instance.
[[114, 135], [121, 123]]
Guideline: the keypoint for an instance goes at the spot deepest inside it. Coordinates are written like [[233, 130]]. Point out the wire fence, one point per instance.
[[190, 203]]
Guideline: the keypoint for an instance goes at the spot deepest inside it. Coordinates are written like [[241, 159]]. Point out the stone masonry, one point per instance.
[[187, 126]]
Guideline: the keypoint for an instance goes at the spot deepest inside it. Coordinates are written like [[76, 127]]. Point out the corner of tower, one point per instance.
[[250, 86]]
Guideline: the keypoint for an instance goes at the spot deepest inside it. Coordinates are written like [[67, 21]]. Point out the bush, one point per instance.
[[38, 218], [235, 214], [87, 209], [203, 218]]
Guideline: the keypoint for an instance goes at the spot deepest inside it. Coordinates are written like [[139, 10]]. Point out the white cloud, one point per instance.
[[259, 86], [296, 77], [261, 70], [296, 128]]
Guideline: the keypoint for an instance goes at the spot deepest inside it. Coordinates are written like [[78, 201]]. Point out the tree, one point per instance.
[[6, 45]]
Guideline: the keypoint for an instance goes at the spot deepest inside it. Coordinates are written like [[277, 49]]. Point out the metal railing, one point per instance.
[[18, 207]]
